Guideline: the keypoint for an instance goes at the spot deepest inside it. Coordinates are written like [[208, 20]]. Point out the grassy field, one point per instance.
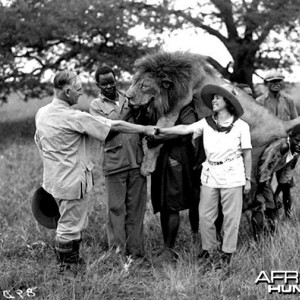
[[27, 260]]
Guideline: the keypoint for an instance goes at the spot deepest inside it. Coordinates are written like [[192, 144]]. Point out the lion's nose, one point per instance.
[[129, 100]]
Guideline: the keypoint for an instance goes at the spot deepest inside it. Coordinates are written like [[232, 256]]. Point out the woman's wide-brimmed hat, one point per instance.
[[227, 91], [45, 208]]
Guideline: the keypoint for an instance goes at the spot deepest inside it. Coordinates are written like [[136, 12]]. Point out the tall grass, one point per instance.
[[28, 260]]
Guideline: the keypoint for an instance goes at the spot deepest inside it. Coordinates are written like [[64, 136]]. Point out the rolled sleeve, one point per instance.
[[197, 128]]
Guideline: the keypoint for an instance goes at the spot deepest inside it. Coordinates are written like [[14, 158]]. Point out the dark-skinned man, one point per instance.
[[126, 187], [284, 108], [280, 155]]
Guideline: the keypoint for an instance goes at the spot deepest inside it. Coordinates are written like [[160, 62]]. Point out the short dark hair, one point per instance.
[[64, 78], [295, 130], [230, 107], [103, 70]]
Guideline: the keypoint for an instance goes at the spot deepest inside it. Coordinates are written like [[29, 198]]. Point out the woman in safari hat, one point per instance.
[[227, 168]]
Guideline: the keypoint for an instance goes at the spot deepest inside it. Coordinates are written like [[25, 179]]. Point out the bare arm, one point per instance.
[[248, 165], [179, 130], [126, 127]]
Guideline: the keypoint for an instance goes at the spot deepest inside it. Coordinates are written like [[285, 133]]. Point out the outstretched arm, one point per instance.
[[186, 116], [126, 127], [178, 129]]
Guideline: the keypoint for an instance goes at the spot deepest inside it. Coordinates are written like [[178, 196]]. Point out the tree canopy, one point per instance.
[[52, 34], [258, 34]]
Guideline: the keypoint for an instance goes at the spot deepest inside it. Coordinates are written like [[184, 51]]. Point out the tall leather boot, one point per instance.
[[68, 257]]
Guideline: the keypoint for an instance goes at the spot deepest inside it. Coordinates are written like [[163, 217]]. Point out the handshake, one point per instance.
[[153, 139], [151, 130]]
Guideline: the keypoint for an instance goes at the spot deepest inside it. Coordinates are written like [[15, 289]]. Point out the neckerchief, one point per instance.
[[215, 126]]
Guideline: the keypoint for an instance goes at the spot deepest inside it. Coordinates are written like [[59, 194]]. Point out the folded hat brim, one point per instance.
[[45, 209], [210, 90]]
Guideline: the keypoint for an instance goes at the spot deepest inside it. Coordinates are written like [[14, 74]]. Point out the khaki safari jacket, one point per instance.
[[63, 137], [122, 151]]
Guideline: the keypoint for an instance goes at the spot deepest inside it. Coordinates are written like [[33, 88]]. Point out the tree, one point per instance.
[[52, 34], [253, 31]]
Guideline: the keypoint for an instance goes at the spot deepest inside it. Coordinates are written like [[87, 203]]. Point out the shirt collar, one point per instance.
[[271, 95], [226, 123], [109, 100], [60, 102]]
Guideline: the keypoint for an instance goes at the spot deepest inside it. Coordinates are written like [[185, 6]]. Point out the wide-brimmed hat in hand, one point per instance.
[[45, 208]]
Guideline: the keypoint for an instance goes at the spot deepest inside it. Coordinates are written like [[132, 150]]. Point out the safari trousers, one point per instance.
[[231, 201], [127, 196], [73, 219]]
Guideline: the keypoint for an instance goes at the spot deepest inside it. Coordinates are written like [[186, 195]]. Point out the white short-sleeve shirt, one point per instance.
[[223, 147]]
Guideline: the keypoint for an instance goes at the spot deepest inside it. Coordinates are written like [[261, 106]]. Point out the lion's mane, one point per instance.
[[178, 68]]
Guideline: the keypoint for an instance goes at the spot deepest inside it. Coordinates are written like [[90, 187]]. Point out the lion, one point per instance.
[[165, 82]]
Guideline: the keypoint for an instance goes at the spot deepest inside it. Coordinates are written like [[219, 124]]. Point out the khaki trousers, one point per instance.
[[73, 219], [232, 202]]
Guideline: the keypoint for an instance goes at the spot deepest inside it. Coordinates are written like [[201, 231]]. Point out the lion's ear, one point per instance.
[[166, 84]]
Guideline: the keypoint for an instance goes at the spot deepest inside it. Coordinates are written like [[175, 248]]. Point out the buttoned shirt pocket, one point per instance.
[[114, 158], [110, 110]]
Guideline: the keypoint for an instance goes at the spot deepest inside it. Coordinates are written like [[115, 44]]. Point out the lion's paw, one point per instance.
[[149, 160]]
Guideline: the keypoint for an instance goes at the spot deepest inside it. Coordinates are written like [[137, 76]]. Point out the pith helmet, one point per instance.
[[274, 75], [45, 208]]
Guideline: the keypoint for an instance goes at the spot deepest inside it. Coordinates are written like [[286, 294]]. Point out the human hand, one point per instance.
[[157, 131], [247, 187], [150, 130]]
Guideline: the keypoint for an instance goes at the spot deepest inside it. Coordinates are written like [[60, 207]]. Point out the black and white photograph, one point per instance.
[[149, 149]]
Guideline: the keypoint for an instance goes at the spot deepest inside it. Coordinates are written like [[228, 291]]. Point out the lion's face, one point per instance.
[[165, 82], [151, 92], [143, 90]]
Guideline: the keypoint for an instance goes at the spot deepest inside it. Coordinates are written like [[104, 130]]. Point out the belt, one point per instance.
[[222, 162]]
